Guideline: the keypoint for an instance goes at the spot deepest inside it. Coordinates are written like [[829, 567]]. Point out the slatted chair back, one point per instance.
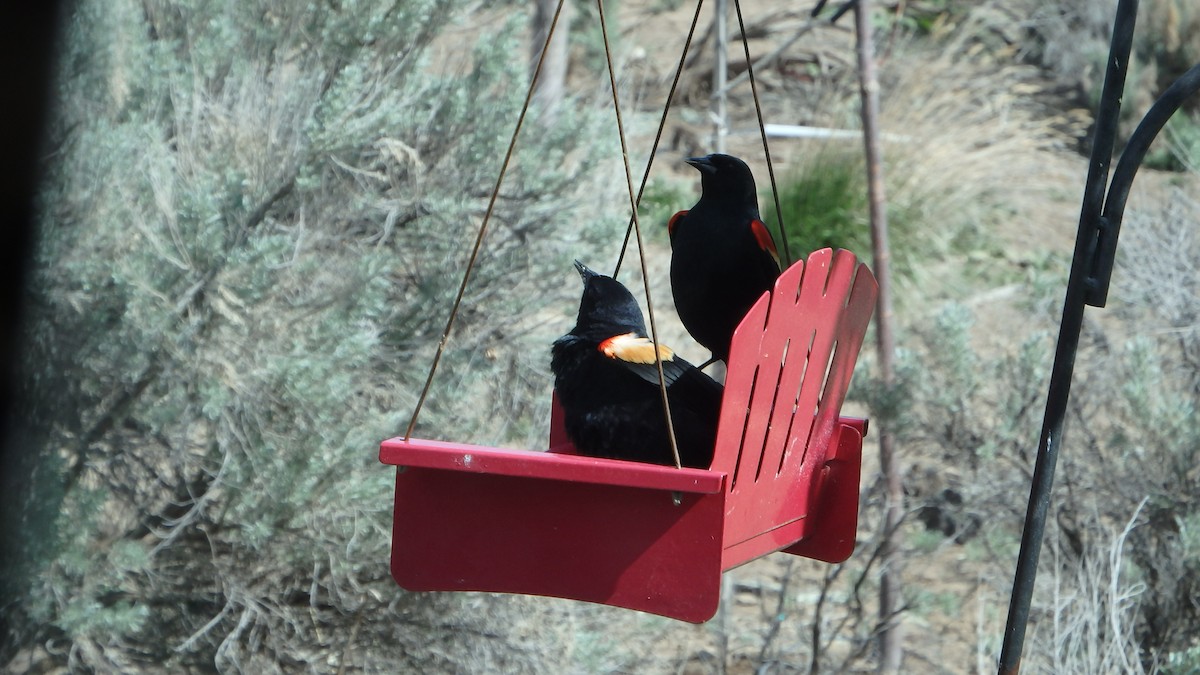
[[789, 368]]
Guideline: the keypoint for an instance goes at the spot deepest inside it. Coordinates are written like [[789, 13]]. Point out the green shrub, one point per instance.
[[824, 204], [662, 199], [250, 236]]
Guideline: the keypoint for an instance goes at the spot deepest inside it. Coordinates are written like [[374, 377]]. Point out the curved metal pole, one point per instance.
[[1091, 272], [1122, 180], [1068, 339]]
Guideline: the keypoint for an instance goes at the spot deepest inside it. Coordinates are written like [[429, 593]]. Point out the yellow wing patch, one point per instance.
[[633, 348]]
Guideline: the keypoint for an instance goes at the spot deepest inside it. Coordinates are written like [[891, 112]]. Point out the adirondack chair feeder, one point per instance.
[[784, 477]]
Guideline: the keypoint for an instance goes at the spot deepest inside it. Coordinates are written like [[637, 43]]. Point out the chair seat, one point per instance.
[[785, 476]]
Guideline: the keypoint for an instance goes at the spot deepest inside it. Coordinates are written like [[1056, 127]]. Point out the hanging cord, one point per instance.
[[662, 378], [487, 216], [762, 130], [662, 123]]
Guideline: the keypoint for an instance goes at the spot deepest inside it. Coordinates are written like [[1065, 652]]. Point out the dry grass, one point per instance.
[[1089, 624]]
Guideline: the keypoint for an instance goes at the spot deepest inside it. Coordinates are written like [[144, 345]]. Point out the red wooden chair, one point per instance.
[[785, 476]]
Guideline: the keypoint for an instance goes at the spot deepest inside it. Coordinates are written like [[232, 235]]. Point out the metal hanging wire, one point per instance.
[[762, 130], [487, 216], [662, 123], [634, 200], [633, 223], [633, 204]]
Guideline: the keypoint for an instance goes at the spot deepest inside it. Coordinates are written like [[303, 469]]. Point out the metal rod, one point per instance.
[[1118, 192], [1068, 340], [637, 229], [662, 123], [762, 130]]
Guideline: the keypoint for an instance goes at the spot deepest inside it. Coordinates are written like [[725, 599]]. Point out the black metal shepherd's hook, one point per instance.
[[1091, 271]]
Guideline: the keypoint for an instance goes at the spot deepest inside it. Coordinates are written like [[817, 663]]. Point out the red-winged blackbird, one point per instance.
[[607, 384], [722, 255]]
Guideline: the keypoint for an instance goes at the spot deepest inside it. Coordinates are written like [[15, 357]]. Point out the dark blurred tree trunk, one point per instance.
[[553, 78], [28, 482], [890, 639]]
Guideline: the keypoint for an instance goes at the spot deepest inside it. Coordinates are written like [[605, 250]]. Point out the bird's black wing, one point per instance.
[[696, 411], [673, 368], [695, 408], [687, 386]]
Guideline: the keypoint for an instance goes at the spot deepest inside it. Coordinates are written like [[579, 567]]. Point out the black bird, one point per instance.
[[722, 255], [607, 384]]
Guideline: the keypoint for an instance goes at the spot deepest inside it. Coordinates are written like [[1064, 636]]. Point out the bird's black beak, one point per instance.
[[585, 272], [703, 164]]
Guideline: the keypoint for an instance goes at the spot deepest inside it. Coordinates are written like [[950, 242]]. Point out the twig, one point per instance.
[[890, 645], [358, 619], [779, 615]]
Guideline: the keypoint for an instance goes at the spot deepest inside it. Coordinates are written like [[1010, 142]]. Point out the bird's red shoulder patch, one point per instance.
[[674, 221], [633, 348], [763, 236]]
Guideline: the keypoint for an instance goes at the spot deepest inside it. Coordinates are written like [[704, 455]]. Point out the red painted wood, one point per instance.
[[785, 476], [837, 507], [462, 457], [623, 546], [789, 368]]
